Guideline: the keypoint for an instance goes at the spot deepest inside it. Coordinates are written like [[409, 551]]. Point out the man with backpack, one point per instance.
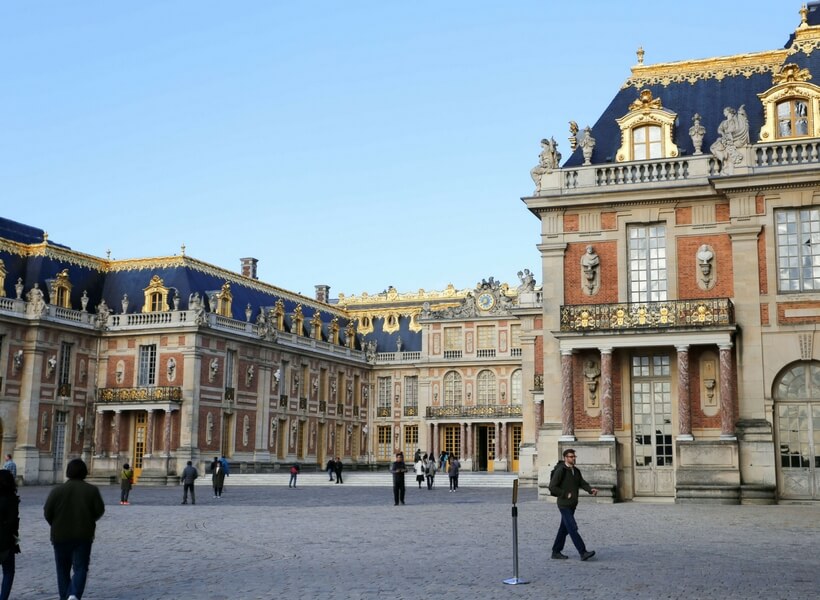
[[565, 481]]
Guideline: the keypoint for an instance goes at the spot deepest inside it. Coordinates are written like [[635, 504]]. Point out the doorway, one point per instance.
[[652, 421], [485, 447], [139, 437], [60, 418]]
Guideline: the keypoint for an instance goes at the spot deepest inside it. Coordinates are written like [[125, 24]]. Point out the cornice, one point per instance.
[[46, 250], [718, 68]]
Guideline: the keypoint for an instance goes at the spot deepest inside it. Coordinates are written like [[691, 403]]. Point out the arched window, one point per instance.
[[797, 411], [486, 388], [516, 395], [647, 142], [452, 389]]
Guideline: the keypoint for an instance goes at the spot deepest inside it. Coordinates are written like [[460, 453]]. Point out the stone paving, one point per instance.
[[258, 543]]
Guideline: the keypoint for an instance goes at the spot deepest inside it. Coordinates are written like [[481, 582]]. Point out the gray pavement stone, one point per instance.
[[351, 543]]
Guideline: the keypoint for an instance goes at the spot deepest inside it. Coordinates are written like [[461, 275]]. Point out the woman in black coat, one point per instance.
[[9, 529]]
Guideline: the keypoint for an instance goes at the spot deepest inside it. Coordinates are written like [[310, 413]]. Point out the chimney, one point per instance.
[[322, 293], [249, 267]]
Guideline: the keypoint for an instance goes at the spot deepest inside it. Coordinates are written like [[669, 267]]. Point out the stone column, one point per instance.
[[727, 416], [462, 449], [166, 438], [607, 408], [502, 454], [115, 451], [567, 408], [435, 438], [98, 434], [469, 453], [684, 395], [149, 434]]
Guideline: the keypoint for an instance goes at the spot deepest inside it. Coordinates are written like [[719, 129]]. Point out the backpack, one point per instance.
[[558, 465]]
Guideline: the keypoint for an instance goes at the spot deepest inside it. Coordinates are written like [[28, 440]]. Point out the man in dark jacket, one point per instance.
[[189, 475], [398, 468], [565, 483], [338, 465], [73, 509]]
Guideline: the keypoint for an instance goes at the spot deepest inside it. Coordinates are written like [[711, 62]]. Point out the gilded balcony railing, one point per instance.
[[141, 394], [474, 412], [383, 411], [648, 315]]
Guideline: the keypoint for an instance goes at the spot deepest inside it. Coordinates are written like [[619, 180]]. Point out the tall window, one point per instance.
[[452, 389], [486, 337], [148, 365], [515, 336], [486, 388], [646, 142], [64, 375], [230, 366], [516, 393], [793, 118], [385, 385], [411, 396], [647, 263], [798, 249]]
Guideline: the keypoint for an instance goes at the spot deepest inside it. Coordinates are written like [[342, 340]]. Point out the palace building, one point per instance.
[[680, 246], [670, 341], [159, 361]]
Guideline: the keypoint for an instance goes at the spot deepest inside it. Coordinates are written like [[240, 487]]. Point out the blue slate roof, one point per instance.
[[707, 96]]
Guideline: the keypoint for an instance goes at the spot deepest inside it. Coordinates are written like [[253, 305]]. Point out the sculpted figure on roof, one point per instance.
[[548, 161], [733, 134]]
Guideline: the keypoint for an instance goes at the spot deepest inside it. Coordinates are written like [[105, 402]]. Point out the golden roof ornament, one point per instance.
[[645, 101], [640, 54], [791, 73], [804, 16]]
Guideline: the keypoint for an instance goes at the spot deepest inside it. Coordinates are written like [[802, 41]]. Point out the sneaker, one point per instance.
[[559, 556], [73, 597], [126, 503], [587, 555]]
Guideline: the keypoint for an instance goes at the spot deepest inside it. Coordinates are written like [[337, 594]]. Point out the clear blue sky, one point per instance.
[[355, 144]]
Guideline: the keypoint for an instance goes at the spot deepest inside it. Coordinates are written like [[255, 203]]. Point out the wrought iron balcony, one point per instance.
[[322, 406], [411, 411], [383, 411], [141, 394], [474, 412], [648, 315]]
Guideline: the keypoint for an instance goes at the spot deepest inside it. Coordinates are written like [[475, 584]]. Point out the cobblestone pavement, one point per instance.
[[352, 543]]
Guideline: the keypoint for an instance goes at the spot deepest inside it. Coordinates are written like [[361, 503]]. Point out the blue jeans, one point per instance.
[[74, 554], [8, 576], [568, 526], [292, 482]]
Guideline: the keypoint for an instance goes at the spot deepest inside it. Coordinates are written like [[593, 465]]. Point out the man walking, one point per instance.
[[565, 482], [189, 475], [338, 465], [73, 509]]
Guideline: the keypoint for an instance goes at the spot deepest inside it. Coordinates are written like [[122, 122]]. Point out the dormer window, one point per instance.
[[156, 296], [646, 142], [793, 118], [646, 130], [791, 107]]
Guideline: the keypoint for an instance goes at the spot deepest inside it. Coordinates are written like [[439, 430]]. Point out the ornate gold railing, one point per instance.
[[141, 394], [475, 412], [648, 315], [411, 411], [383, 411]]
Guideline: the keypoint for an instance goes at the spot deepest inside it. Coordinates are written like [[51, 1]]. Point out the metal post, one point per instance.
[[515, 580]]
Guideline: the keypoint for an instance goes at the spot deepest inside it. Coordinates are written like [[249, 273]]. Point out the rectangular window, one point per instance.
[[385, 390], [798, 249], [452, 338], [64, 376], [230, 366], [486, 337], [148, 366], [647, 263], [411, 396], [515, 336]]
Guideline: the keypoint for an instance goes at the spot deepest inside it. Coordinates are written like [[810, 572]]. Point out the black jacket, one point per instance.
[[565, 484]]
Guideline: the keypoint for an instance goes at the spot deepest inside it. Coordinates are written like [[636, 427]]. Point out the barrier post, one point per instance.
[[515, 579]]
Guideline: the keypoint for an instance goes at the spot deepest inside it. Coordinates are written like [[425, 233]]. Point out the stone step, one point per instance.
[[362, 479]]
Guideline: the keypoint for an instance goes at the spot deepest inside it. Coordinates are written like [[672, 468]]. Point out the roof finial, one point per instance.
[[804, 16], [108, 254], [182, 248], [640, 54], [45, 236]]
